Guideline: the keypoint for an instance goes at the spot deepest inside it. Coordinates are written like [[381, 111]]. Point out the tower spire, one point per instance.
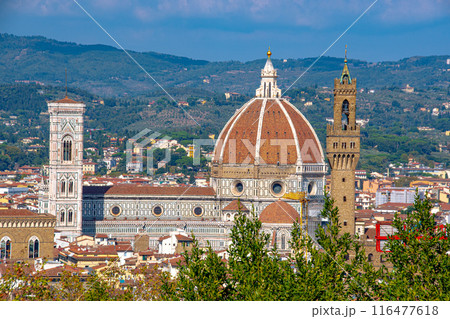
[[345, 60], [345, 72]]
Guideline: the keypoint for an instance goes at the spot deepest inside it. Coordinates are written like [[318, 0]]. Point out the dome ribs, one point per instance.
[[240, 145], [277, 148], [268, 132], [311, 151]]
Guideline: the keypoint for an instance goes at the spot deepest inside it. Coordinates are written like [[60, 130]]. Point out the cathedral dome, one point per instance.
[[268, 130], [267, 148], [279, 212]]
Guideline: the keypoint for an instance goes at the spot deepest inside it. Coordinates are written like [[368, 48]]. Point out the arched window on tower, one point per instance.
[[70, 216], [270, 90], [283, 241], [345, 114], [67, 149], [33, 247], [5, 248], [345, 78], [71, 187], [63, 187], [62, 216]]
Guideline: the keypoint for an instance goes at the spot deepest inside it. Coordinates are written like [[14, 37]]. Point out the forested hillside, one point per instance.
[[107, 71], [392, 116]]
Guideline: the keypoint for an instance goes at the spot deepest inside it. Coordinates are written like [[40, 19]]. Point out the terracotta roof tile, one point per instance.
[[241, 132], [142, 190], [183, 238], [279, 212], [236, 205], [147, 253], [124, 248], [21, 213], [175, 262], [67, 101]]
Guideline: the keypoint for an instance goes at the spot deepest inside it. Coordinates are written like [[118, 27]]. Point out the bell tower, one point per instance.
[[65, 185], [343, 148]]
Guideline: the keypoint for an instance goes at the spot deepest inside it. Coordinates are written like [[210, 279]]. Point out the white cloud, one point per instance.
[[414, 10], [40, 7], [311, 13]]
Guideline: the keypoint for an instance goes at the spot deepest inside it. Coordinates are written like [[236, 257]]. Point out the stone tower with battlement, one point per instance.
[[343, 148]]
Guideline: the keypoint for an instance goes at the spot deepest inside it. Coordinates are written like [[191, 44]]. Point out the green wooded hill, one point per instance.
[[107, 71], [96, 77]]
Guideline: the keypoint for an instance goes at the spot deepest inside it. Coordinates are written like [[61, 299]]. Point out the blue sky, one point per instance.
[[219, 30]]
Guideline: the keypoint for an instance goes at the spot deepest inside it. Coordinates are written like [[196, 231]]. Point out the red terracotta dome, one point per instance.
[[268, 131], [279, 212]]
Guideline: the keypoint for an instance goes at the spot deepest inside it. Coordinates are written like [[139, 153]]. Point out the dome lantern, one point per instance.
[[268, 87]]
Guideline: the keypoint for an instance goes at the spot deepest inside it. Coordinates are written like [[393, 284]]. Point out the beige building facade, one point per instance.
[[25, 235]]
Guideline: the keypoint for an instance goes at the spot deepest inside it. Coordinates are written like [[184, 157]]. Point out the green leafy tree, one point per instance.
[[204, 277], [192, 179], [330, 266], [256, 273], [419, 254]]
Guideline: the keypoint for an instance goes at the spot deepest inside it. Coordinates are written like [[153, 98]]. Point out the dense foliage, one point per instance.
[[330, 267]]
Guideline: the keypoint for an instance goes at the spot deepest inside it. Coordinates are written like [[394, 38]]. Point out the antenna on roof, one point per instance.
[[66, 82]]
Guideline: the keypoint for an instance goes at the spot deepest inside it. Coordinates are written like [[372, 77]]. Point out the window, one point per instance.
[[335, 145], [370, 257], [5, 248], [237, 188], [345, 198], [345, 114], [116, 210], [62, 216], [344, 145], [70, 216], [352, 144], [63, 187], [343, 180], [67, 149], [198, 211], [157, 211], [33, 247], [70, 187], [277, 188], [312, 188], [283, 241]]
